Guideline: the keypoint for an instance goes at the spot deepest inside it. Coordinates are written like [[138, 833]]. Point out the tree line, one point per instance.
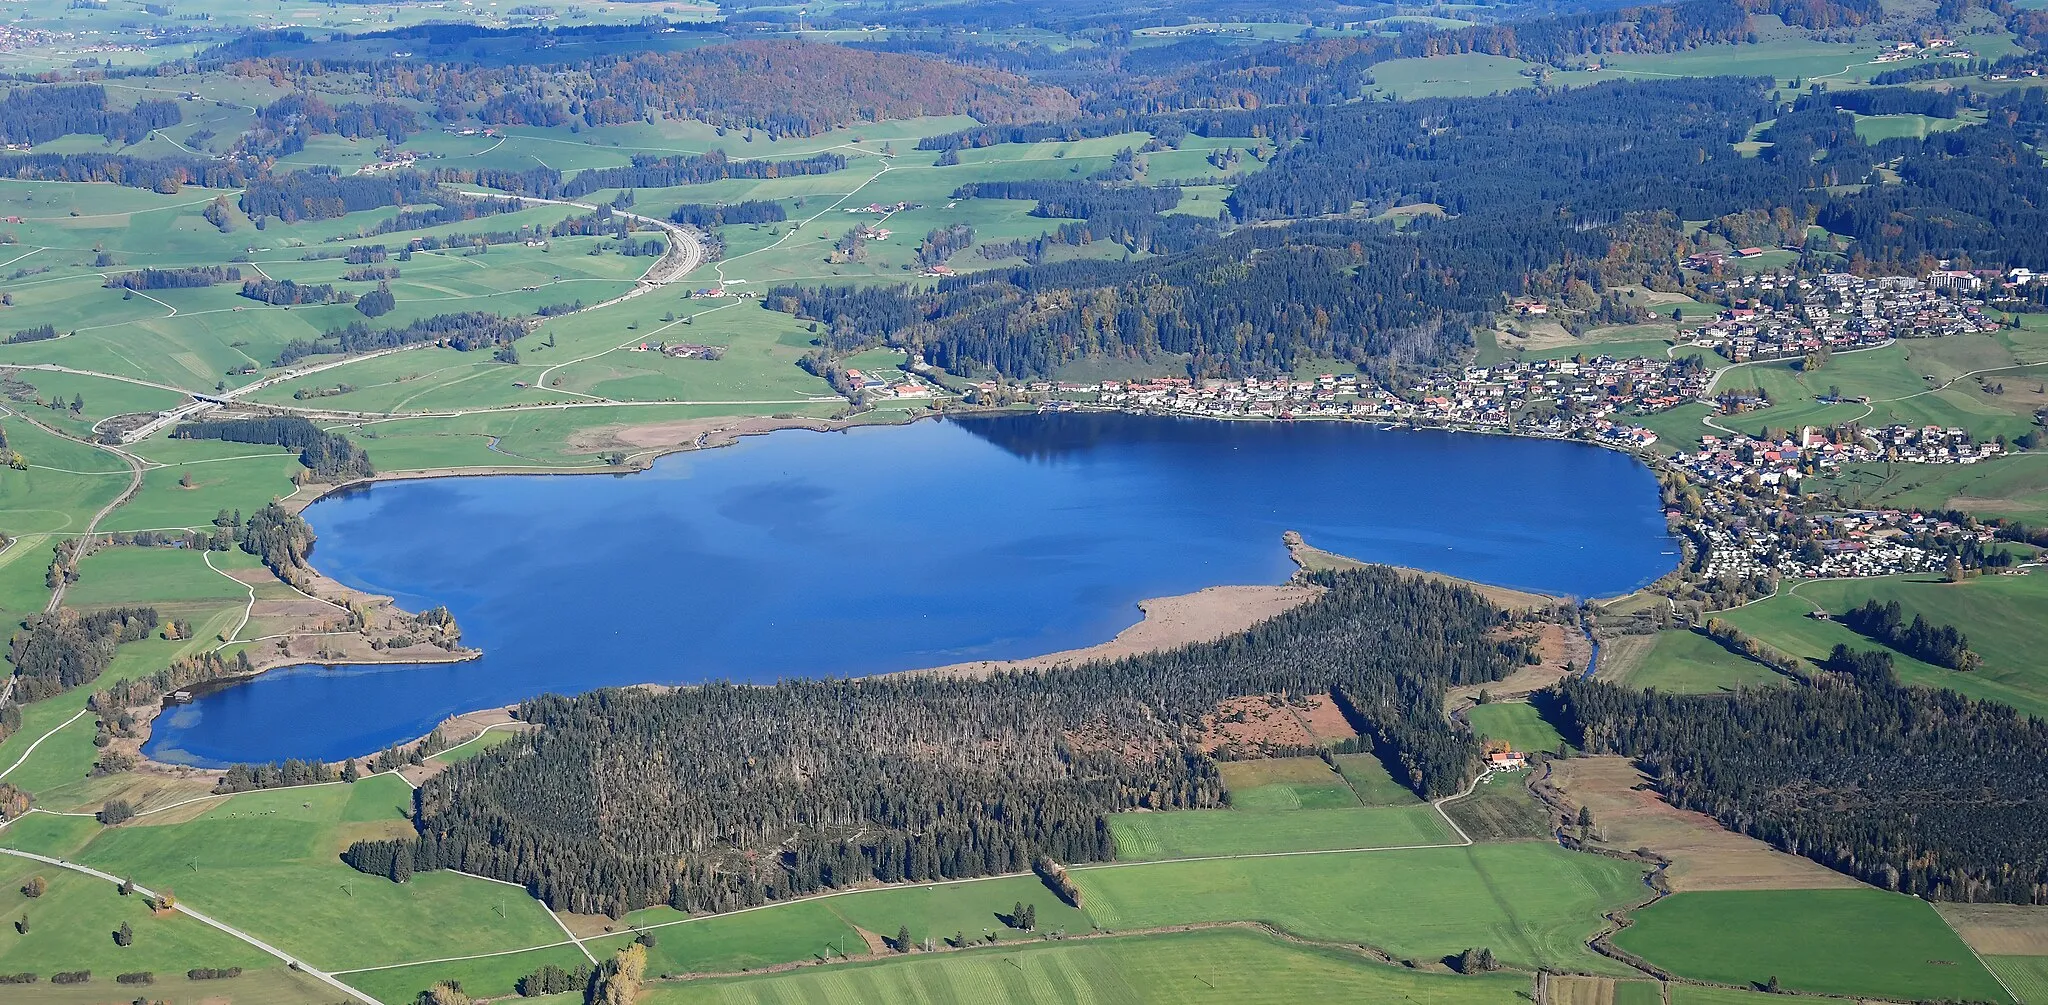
[[465, 331], [330, 456], [723, 796], [174, 279], [53, 653]]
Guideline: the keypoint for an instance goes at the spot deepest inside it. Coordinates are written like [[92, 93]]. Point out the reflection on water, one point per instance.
[[879, 549]]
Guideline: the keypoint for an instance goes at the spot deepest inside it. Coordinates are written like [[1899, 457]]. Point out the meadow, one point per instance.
[[1190, 833], [1845, 942], [1285, 783], [1685, 662], [1516, 723], [269, 862], [1533, 904], [1229, 966], [1997, 613]]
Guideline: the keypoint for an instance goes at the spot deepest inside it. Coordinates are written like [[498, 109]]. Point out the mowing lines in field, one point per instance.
[[2025, 977]]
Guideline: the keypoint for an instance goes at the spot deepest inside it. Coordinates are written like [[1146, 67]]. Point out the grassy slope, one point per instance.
[[1190, 833], [1515, 722], [1831, 941], [267, 862], [1533, 904], [2000, 614], [71, 928], [1689, 662], [1217, 966]]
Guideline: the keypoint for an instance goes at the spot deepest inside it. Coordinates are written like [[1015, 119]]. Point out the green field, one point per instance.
[[1516, 723], [1689, 662], [1532, 904], [1373, 783], [1285, 783], [1190, 833], [1845, 942], [1501, 809], [71, 928], [1229, 966], [493, 975], [235, 861], [2014, 488], [2027, 976], [1999, 614]]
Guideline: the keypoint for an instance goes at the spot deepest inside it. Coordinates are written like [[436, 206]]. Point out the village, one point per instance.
[[1840, 312]]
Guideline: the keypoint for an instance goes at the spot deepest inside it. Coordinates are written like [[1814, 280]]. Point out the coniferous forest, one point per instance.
[[724, 796]]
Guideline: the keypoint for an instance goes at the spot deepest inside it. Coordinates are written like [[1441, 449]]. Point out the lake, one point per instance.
[[890, 548]]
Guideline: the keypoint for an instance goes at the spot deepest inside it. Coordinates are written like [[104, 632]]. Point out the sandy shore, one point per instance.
[[1203, 616]]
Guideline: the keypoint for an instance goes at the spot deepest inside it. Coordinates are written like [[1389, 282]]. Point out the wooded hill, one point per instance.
[[1544, 193], [723, 796], [1908, 788], [781, 87]]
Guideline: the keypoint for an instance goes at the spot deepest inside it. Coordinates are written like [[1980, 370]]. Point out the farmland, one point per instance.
[[1828, 941], [1515, 723], [1311, 866], [1683, 662], [1217, 966], [1990, 610], [1533, 904]]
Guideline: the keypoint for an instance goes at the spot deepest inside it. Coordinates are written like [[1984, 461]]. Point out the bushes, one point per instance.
[[212, 973], [116, 811], [138, 977], [71, 977]]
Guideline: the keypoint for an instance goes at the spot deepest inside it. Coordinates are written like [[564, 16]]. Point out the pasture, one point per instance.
[[1226, 966], [1373, 783], [1846, 942], [1515, 723], [1997, 613], [1501, 809], [1190, 833], [1533, 904], [72, 925], [1285, 783], [269, 862], [1683, 662]]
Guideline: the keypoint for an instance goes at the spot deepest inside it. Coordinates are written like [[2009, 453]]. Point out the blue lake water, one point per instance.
[[889, 548]]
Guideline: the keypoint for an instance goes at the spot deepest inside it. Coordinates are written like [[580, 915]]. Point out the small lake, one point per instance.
[[890, 548]]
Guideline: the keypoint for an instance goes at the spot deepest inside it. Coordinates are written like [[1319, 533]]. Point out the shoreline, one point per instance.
[[1166, 622]]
